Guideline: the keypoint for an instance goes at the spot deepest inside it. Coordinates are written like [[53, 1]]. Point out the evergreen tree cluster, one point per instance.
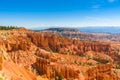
[[7, 27]]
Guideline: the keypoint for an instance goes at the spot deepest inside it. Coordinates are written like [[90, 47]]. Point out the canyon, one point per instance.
[[30, 55]]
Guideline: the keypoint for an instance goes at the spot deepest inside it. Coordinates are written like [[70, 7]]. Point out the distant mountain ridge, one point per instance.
[[63, 29], [88, 33], [111, 30], [108, 29]]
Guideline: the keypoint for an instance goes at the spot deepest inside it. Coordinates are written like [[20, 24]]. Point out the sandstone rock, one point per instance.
[[54, 56], [101, 72]]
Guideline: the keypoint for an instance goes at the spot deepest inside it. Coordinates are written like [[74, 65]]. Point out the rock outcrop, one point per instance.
[[55, 43], [12, 71], [49, 56], [101, 72]]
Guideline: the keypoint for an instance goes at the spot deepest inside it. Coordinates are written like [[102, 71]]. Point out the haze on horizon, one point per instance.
[[65, 13]]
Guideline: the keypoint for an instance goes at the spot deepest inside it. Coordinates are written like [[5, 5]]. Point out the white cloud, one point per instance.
[[111, 1]]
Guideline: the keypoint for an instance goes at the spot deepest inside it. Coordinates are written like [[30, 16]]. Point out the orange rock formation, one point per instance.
[[31, 54]]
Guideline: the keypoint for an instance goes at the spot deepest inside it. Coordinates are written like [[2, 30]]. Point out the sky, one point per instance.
[[62, 13]]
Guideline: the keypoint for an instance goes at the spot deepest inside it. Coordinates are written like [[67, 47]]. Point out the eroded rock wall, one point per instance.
[[55, 43], [24, 49], [101, 72]]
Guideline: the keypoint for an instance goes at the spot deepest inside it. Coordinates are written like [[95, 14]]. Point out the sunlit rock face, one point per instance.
[[1, 61], [100, 72], [65, 45], [28, 55]]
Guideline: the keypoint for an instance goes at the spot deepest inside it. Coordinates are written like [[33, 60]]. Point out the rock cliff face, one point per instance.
[[11, 71], [64, 45], [53, 67], [101, 72], [72, 67], [20, 49], [50, 56]]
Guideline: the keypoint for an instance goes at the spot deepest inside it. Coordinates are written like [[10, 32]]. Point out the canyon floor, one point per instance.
[[64, 55]]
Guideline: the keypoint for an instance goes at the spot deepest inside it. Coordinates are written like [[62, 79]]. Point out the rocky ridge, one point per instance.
[[40, 56]]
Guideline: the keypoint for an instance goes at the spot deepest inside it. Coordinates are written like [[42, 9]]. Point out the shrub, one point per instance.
[[60, 77], [118, 67]]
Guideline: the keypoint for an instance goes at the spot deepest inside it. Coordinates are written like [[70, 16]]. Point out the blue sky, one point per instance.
[[65, 13]]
